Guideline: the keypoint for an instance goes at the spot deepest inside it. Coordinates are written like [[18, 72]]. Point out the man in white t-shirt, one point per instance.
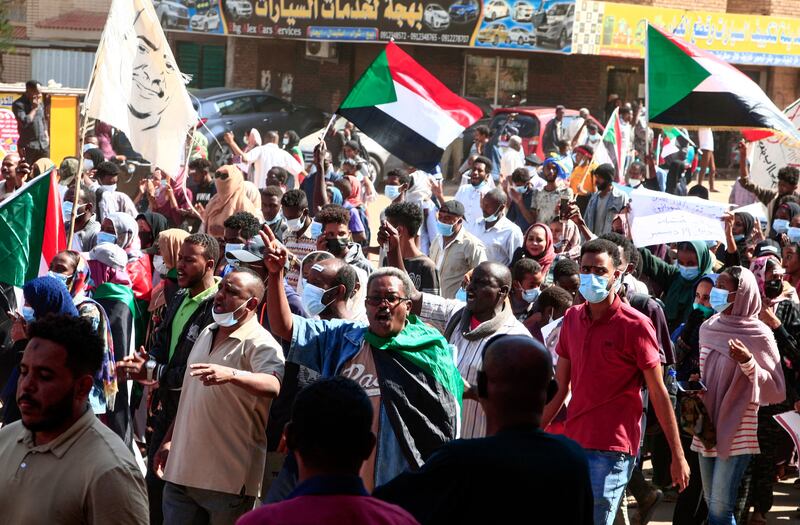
[[267, 156], [513, 157], [470, 195]]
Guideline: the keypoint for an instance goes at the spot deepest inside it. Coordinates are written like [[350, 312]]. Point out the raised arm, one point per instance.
[[278, 312]]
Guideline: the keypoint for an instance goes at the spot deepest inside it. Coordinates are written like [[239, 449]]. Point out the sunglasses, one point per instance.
[[221, 175]]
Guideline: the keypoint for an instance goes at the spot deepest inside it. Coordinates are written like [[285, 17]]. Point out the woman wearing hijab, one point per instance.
[[139, 268], [229, 199], [92, 158], [164, 264], [70, 268], [291, 143], [782, 316], [782, 219], [678, 283], [42, 166], [43, 295], [150, 225], [741, 368], [538, 246], [738, 235], [112, 290]]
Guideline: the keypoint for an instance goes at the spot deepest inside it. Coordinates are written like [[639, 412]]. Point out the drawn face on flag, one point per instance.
[[152, 78]]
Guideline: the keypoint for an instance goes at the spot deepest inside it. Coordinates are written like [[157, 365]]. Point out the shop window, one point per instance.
[[499, 80]]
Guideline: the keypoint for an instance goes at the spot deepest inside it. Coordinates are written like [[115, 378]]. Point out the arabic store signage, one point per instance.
[[510, 24], [605, 28]]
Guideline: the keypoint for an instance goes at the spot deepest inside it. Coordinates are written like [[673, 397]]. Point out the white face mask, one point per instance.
[[159, 265], [227, 319], [88, 164], [108, 187], [295, 224]]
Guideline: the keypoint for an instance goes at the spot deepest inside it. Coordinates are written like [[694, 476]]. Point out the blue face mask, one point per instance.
[[312, 298], [461, 295], [316, 229], [105, 237], [521, 189], [740, 237], [780, 225], [61, 277], [391, 191], [594, 288], [530, 296], [479, 185], [794, 234], [719, 299], [445, 230], [28, 315], [493, 217], [690, 273]]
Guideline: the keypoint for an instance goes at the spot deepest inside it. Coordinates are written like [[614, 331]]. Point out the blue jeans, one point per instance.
[[193, 506], [721, 480], [609, 473]]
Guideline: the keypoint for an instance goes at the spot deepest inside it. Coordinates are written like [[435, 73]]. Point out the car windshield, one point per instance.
[[527, 126], [559, 10]]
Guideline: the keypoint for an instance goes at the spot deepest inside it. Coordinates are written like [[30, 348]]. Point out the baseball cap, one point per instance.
[[453, 208], [533, 159], [251, 252], [767, 247]]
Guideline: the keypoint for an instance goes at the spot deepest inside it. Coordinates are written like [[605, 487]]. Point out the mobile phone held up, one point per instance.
[[563, 209], [691, 386]]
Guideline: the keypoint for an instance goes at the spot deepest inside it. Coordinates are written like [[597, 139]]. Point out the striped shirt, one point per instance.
[[745, 440]]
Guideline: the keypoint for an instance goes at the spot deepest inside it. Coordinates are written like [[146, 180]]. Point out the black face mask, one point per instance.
[[337, 246], [773, 288]]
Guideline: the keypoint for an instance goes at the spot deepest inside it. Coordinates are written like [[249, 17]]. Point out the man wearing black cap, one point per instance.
[[606, 202], [454, 250]]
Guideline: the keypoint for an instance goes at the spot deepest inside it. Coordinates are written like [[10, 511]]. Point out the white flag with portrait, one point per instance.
[[136, 86]]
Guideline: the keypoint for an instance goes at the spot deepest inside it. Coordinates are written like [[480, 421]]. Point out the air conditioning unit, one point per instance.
[[321, 50]]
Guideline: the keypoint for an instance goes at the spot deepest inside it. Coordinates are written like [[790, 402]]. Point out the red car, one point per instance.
[[530, 122]]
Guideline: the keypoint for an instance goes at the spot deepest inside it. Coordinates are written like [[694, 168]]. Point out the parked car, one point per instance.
[[495, 9], [520, 36], [239, 9], [530, 122], [435, 17], [172, 15], [464, 11], [240, 110], [493, 34], [557, 26], [206, 21]]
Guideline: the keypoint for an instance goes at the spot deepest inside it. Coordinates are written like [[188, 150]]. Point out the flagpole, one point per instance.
[[648, 146]]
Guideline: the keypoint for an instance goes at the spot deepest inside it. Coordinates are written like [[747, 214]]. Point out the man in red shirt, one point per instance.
[[330, 434], [606, 353]]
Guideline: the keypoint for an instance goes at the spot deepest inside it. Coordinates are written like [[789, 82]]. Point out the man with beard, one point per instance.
[[59, 452], [606, 202]]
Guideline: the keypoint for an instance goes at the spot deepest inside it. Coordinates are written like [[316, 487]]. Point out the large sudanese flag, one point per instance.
[[31, 230], [691, 88], [407, 110]]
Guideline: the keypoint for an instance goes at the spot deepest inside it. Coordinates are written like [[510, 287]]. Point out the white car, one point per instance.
[[520, 36], [239, 8], [206, 21], [523, 12], [495, 9], [435, 17]]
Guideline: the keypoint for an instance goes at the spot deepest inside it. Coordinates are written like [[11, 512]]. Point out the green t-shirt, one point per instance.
[[187, 308]]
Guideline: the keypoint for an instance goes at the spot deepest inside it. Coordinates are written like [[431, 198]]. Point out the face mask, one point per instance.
[[285, 142], [594, 288], [594, 137], [312, 298], [707, 311], [719, 299], [232, 248], [521, 189], [108, 187], [295, 224], [773, 288], [794, 234], [105, 237], [461, 295], [494, 217], [391, 191], [479, 185], [780, 225], [66, 211], [740, 237], [28, 315], [159, 265], [445, 230], [690, 273], [61, 277], [88, 164], [227, 319], [530, 296], [316, 229], [276, 220], [337, 246]]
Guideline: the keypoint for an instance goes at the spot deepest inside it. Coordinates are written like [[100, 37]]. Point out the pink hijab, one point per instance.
[[548, 255], [729, 389]]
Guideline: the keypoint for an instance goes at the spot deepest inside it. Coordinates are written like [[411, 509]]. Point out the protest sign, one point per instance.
[[675, 226], [769, 155], [648, 202], [757, 210], [790, 421]]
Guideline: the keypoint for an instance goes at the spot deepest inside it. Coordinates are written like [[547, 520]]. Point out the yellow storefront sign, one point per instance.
[[610, 29]]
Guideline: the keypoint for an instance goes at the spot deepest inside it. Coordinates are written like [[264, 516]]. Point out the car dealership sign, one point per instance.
[[505, 24]]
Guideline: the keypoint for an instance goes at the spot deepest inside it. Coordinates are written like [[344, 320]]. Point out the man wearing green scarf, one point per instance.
[[406, 367]]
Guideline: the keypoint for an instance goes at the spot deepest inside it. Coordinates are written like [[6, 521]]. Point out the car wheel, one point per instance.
[[520, 41], [375, 168], [205, 26], [562, 39], [220, 154], [496, 40]]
